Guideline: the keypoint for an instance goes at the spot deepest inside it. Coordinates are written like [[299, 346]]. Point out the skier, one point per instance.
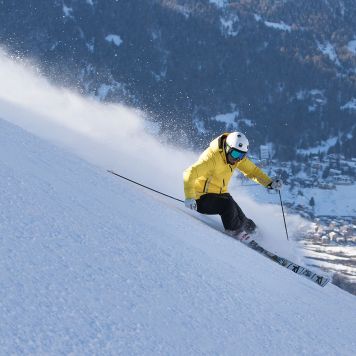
[[206, 181]]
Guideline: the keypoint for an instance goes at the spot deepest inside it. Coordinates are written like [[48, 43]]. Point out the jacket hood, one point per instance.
[[218, 143]]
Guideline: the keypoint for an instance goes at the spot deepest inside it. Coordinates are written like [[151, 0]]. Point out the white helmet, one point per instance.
[[238, 141]]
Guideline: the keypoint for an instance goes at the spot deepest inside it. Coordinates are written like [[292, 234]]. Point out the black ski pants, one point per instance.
[[231, 214]]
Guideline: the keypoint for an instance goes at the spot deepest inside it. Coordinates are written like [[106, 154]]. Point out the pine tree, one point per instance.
[[312, 202]]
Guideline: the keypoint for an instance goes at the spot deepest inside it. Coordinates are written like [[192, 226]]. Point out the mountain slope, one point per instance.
[[90, 264], [282, 71]]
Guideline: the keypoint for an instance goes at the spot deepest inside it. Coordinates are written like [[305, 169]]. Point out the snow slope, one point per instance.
[[118, 138], [93, 265]]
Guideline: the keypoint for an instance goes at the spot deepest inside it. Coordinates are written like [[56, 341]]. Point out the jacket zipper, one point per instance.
[[205, 186], [223, 186]]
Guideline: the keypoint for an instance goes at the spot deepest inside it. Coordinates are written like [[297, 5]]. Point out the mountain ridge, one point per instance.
[[287, 67]]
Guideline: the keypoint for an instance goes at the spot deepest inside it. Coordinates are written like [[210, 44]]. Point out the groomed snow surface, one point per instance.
[[91, 264]]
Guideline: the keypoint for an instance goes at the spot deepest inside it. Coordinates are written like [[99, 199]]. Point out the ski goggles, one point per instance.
[[236, 154]]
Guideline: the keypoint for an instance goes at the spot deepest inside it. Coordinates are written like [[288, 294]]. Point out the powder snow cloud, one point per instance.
[[111, 136]]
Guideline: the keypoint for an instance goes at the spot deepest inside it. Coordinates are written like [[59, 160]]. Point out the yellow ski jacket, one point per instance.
[[211, 173]]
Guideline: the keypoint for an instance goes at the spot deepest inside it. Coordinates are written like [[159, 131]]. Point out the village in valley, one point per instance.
[[321, 188], [310, 181]]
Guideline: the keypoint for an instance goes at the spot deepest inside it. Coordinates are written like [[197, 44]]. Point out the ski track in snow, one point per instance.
[[93, 265]]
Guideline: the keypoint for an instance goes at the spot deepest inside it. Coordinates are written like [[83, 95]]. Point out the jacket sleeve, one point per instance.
[[204, 167], [250, 170]]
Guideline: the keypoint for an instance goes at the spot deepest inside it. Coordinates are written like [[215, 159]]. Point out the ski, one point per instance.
[[284, 262]]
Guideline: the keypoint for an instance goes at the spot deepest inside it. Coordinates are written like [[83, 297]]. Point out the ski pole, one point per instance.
[[144, 186], [284, 218]]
